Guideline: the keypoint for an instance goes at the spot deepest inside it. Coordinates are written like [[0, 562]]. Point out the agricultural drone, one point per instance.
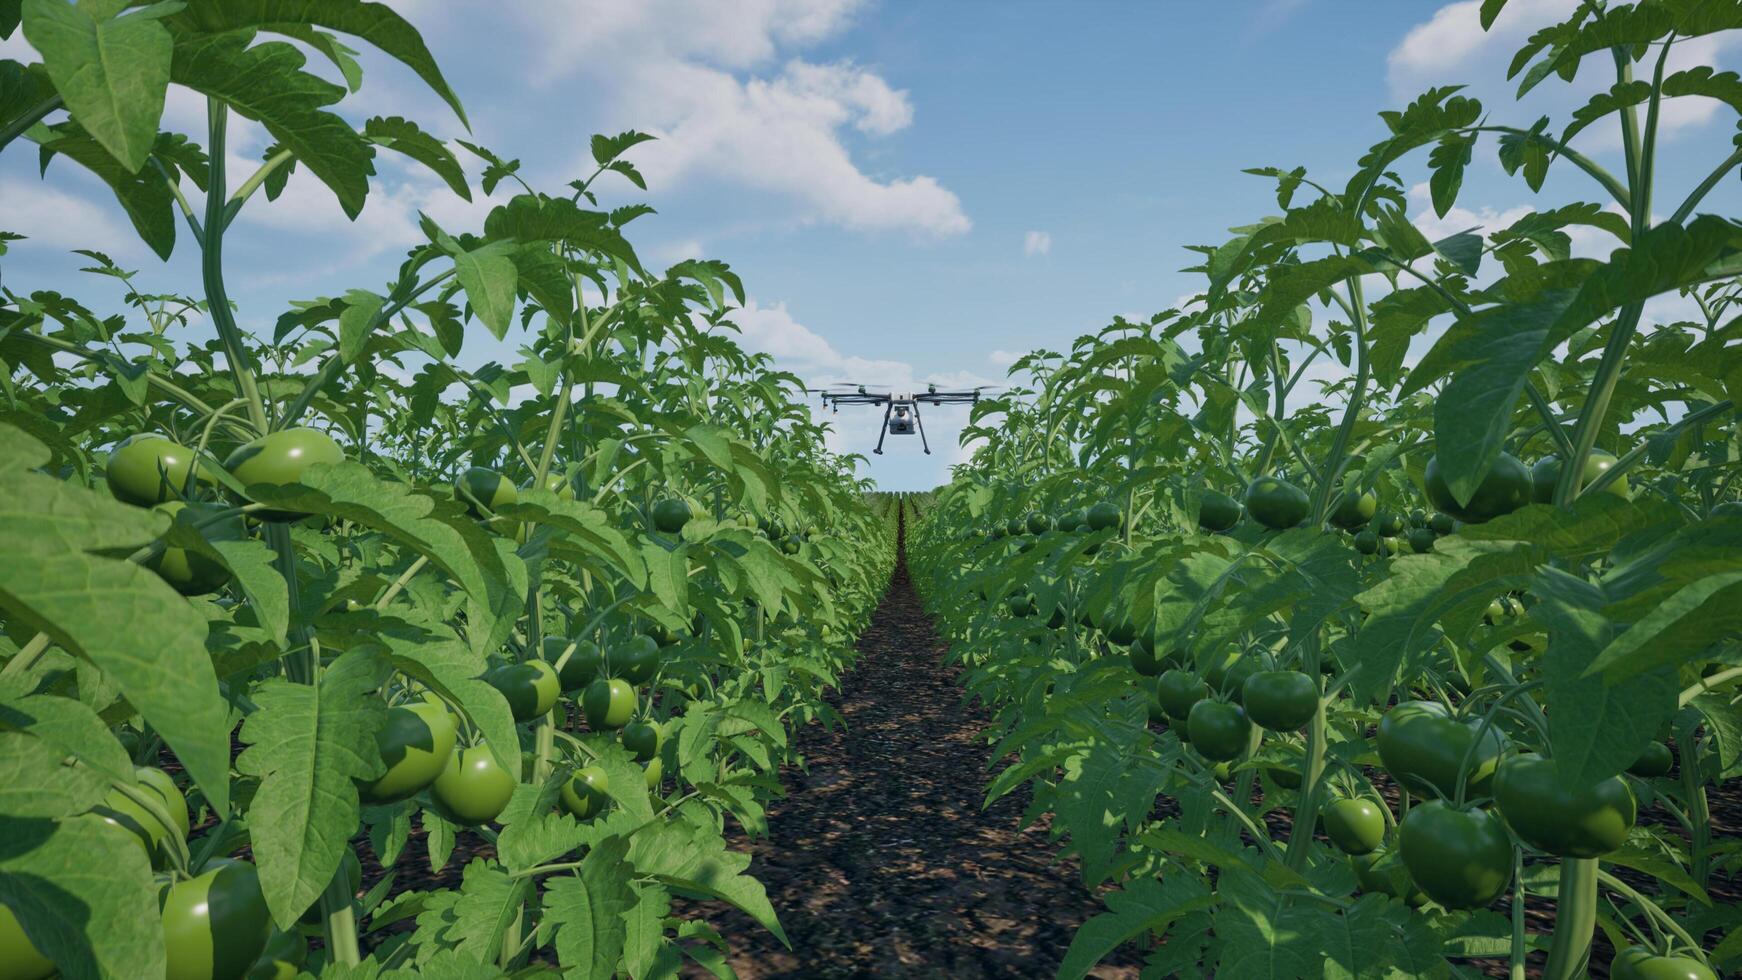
[[901, 411]]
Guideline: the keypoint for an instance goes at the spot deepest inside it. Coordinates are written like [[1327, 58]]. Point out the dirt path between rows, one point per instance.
[[880, 862]]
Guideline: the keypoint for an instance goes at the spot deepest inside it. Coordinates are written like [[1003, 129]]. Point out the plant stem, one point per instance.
[[1575, 920], [212, 268]]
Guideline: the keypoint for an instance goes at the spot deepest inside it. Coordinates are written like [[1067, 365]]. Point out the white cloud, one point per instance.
[[796, 347], [1453, 38], [48, 216], [696, 74], [671, 253], [1004, 358], [1459, 219], [1036, 243]]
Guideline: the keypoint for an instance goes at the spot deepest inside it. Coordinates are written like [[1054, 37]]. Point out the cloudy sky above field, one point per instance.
[[912, 191]]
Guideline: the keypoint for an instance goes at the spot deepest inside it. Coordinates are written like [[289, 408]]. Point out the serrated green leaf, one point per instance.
[[589, 909], [112, 72], [83, 892]]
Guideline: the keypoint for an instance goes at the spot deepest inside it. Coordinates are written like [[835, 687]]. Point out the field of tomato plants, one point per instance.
[[279, 608], [1432, 671]]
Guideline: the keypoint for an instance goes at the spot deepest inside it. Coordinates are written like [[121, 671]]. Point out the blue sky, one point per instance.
[[912, 191]]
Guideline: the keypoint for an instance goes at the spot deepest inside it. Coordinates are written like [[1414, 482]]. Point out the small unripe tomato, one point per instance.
[[473, 789], [586, 794], [147, 469]]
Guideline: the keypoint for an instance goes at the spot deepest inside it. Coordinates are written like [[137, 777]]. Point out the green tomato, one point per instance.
[[1389, 524], [1104, 516], [1547, 472], [19, 960], [643, 739], [1421, 540], [1655, 761], [586, 794], [1178, 691], [1422, 746], [1383, 873], [1583, 822], [654, 772], [1015, 527], [283, 959], [120, 810], [1219, 731], [280, 459], [1228, 674], [1506, 488], [1037, 523], [1217, 511], [608, 704], [1442, 524], [1276, 503], [474, 788], [580, 669], [1353, 509], [637, 660], [670, 515], [415, 744], [1640, 963], [1367, 542], [531, 687], [1075, 520], [484, 491], [1021, 605], [216, 925], [190, 572], [147, 469], [1462, 859], [1280, 700], [1355, 825]]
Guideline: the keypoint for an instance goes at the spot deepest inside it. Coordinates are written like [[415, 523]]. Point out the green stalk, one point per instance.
[[212, 268], [1312, 769], [17, 127], [1575, 920], [1699, 811], [1333, 468], [1519, 949]]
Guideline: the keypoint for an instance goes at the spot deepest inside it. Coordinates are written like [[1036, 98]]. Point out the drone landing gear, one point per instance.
[[884, 431], [921, 424]]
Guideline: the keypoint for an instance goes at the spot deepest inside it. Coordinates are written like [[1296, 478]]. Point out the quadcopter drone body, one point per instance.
[[900, 411]]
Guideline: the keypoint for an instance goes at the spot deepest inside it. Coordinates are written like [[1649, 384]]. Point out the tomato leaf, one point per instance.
[[118, 615], [83, 892], [309, 744], [588, 911], [112, 72]]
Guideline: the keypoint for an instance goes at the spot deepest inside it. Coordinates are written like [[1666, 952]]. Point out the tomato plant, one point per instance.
[[419, 550], [1487, 581]]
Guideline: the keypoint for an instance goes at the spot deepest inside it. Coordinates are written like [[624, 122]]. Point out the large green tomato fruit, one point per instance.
[[415, 743], [1355, 825], [190, 572], [1461, 858], [643, 739], [1506, 488], [1354, 509], [1104, 517], [1389, 524], [147, 469], [1276, 503], [120, 810], [1021, 604], [1015, 527], [1655, 761], [531, 687], [216, 925], [1367, 542], [19, 960], [1178, 691], [1583, 822], [1038, 523], [1280, 700], [1421, 540], [1547, 472], [1422, 746], [483, 491], [279, 459], [1073, 520], [586, 794], [637, 660], [670, 515], [1640, 963], [608, 704], [582, 667], [473, 789], [653, 773], [1442, 524], [1217, 511], [1219, 731]]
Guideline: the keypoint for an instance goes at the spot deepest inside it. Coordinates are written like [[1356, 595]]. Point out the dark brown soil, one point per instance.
[[880, 862]]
